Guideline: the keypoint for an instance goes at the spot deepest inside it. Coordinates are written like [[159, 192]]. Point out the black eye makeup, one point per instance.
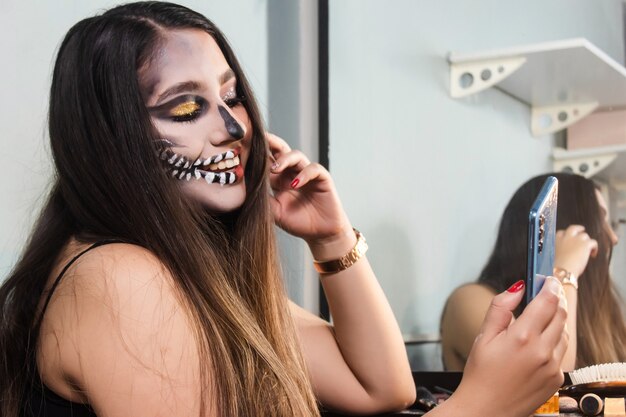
[[232, 99], [182, 109]]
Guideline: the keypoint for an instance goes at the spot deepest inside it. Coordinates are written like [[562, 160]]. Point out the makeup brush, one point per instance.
[[605, 380]]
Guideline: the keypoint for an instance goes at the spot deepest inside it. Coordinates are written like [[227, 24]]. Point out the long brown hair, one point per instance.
[[601, 331], [109, 183]]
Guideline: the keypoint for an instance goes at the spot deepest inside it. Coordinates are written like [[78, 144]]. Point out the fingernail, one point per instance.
[[516, 287], [553, 285], [295, 183]]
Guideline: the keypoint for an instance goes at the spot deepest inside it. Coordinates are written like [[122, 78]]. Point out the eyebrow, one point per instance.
[[178, 88], [228, 75]]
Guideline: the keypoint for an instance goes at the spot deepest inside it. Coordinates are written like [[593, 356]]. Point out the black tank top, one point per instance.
[[40, 400]]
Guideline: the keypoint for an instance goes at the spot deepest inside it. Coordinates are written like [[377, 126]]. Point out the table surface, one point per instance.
[[441, 380], [420, 413]]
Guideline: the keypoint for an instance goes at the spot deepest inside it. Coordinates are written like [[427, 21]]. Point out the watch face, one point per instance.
[[566, 277], [361, 246], [561, 273]]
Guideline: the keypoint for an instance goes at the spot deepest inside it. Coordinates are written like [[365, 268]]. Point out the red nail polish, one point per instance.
[[517, 286], [295, 183]]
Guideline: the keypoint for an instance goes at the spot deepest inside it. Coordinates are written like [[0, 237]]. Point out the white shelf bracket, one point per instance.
[[587, 166], [550, 119], [473, 76]]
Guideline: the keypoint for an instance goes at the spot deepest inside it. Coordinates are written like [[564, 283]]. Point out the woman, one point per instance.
[[584, 242], [151, 285]]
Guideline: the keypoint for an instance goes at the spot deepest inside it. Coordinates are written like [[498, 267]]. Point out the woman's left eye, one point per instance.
[[232, 102], [231, 98]]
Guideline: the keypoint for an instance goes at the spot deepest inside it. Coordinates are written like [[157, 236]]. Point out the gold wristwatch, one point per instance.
[[566, 277], [346, 261]]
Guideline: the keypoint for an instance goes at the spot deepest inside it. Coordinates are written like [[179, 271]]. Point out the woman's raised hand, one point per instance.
[[573, 247], [515, 366], [305, 201]]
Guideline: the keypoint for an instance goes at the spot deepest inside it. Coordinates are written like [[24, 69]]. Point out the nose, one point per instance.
[[227, 127]]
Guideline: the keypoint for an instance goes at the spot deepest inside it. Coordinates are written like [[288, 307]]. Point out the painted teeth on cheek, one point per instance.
[[184, 169], [210, 177], [221, 178]]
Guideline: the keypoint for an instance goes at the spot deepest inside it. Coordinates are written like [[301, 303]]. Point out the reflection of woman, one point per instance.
[[150, 285], [583, 247]]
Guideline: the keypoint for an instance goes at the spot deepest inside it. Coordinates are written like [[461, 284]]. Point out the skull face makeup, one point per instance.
[[191, 94], [209, 169]]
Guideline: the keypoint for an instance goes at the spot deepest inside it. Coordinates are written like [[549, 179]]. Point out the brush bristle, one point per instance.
[[605, 372]]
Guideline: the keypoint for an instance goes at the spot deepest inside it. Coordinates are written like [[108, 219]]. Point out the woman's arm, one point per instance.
[[359, 364]]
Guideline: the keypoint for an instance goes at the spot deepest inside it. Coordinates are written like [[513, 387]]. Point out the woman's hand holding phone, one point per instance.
[[514, 366]]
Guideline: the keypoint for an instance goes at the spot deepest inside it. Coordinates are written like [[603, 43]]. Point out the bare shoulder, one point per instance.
[[110, 277], [465, 310], [117, 264], [123, 286], [472, 294], [461, 321], [117, 322]]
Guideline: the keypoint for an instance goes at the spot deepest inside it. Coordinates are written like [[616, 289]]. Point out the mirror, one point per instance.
[[424, 176]]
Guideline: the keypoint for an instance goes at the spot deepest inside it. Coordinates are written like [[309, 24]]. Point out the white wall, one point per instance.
[[29, 38], [426, 177], [411, 164]]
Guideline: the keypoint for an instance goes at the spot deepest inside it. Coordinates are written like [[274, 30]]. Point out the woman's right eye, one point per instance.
[[186, 112]]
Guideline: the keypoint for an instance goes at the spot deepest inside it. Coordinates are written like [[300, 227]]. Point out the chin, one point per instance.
[[218, 198]]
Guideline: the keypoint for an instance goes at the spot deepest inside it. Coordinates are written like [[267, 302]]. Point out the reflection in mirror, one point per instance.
[[427, 177], [584, 244]]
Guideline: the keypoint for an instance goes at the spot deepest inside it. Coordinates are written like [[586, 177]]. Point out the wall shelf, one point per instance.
[[562, 81], [608, 162], [586, 162]]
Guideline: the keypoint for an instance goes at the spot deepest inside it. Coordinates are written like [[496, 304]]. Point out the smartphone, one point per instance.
[[541, 236]]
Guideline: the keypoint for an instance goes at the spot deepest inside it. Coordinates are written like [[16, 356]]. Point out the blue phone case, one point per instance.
[[541, 236]]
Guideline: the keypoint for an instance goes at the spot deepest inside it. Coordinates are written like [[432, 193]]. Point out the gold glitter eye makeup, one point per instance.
[[185, 108], [187, 111]]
